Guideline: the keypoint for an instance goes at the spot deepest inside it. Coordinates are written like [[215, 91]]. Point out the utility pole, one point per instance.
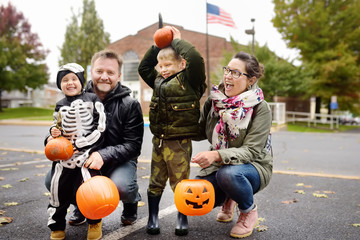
[[252, 32]]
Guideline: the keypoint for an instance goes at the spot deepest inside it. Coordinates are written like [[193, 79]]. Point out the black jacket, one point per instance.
[[124, 128]]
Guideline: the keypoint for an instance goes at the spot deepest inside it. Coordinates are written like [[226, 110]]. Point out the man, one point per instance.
[[117, 158]]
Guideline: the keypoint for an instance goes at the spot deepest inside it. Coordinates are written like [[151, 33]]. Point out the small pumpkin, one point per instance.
[[97, 197], [163, 37], [194, 197], [59, 149]]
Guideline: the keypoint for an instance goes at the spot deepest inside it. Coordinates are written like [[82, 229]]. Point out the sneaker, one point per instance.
[[77, 218], [94, 231], [129, 214], [57, 235], [226, 213], [245, 224]]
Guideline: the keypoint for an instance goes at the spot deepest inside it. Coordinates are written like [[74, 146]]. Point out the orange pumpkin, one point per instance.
[[194, 197], [97, 197], [59, 149], [163, 37]]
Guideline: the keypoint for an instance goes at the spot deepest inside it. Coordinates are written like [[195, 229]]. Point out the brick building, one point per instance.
[[133, 47]]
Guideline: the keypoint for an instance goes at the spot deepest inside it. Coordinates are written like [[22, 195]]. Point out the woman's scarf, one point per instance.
[[235, 113]]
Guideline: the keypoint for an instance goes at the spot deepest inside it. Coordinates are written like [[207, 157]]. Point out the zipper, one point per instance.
[[181, 85]]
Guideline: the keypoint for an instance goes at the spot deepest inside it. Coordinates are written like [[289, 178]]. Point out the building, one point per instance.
[[45, 96], [132, 48]]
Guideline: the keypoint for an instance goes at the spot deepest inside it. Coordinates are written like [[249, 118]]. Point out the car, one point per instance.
[[349, 119]]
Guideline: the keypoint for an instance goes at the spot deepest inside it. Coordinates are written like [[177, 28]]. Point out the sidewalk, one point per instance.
[[25, 122], [41, 123]]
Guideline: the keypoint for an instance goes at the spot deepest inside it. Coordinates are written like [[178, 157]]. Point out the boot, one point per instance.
[[245, 224], [181, 225], [77, 218], [153, 222], [57, 235], [226, 213], [95, 231], [129, 214]]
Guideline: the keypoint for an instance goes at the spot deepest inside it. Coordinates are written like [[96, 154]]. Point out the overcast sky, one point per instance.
[[49, 19]]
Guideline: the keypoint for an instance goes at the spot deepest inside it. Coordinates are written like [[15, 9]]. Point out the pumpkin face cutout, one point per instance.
[[163, 37], [97, 197], [194, 197], [59, 149]]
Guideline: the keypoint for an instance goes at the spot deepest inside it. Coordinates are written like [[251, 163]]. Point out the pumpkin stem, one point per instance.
[[58, 122]]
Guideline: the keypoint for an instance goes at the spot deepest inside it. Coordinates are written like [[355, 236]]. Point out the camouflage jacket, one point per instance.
[[175, 103]]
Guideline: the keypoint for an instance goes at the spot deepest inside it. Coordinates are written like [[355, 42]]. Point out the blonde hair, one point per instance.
[[169, 53]]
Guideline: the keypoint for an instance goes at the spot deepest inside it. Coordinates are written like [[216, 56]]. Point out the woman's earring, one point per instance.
[[249, 87]]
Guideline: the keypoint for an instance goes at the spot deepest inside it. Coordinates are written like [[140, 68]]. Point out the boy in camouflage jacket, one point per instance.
[[177, 76]]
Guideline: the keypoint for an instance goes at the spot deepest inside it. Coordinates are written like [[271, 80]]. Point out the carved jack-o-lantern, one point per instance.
[[194, 197]]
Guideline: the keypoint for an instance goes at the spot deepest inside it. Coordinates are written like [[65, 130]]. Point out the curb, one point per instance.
[[25, 122], [19, 122]]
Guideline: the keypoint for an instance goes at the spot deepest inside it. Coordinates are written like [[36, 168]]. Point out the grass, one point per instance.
[[320, 128], [27, 113]]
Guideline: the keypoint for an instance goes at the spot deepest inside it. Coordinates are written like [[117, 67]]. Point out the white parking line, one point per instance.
[[122, 232], [23, 163]]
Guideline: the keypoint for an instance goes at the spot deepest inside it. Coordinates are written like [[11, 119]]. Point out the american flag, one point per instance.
[[218, 15]]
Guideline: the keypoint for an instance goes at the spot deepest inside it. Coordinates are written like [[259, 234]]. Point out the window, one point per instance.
[[130, 66]]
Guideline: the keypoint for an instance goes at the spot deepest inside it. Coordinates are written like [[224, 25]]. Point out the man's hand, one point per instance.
[[95, 161]]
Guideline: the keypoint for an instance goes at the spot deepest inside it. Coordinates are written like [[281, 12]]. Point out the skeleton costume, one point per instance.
[[82, 121]]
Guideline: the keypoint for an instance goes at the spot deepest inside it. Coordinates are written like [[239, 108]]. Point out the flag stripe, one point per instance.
[[218, 15]]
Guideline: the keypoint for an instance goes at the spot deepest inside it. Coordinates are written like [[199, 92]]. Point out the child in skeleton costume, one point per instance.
[[80, 118]]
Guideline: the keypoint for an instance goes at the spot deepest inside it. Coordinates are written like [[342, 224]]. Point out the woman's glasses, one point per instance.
[[234, 73]]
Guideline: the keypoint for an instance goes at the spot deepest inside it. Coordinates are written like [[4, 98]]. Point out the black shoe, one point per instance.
[[77, 218], [129, 214], [153, 222], [181, 225]]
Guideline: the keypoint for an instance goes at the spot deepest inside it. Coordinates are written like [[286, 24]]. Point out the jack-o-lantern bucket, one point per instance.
[[97, 197], [194, 197]]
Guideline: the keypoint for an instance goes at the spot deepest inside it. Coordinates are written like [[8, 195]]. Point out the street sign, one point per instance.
[[333, 103]]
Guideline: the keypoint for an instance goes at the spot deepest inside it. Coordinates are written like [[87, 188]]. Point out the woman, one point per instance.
[[236, 120]]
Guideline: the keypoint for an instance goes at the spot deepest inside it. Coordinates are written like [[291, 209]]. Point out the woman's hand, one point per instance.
[[205, 159]]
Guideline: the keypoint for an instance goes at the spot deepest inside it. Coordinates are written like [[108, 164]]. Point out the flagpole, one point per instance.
[[207, 54]]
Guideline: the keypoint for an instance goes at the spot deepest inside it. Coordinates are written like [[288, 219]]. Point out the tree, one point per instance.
[[22, 55], [327, 34], [81, 42], [70, 51]]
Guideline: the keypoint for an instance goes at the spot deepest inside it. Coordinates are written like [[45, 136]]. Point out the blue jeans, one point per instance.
[[238, 182], [125, 178]]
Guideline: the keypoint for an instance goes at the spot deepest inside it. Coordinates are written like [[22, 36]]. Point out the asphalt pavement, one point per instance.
[[313, 194]]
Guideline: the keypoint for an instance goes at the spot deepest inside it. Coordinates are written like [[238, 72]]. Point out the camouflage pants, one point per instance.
[[170, 160]]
